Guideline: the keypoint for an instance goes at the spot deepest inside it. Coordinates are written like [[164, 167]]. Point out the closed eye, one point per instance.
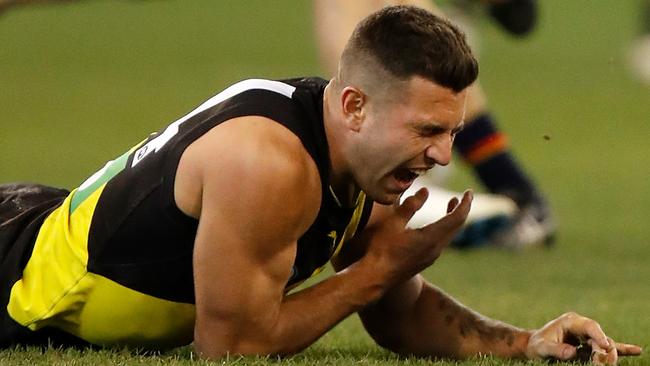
[[429, 130]]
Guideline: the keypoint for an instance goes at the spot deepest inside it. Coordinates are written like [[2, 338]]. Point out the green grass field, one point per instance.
[[81, 82]]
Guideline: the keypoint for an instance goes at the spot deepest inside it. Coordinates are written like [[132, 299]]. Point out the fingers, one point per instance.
[[582, 326], [605, 350], [556, 339], [603, 356], [628, 349], [600, 356], [456, 216], [466, 202], [560, 351], [412, 204], [457, 212], [452, 204]]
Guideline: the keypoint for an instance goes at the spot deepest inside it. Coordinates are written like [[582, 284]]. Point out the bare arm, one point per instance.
[[415, 317], [433, 323], [254, 206]]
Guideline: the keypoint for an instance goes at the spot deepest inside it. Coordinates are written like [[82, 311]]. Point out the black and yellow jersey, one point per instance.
[[112, 263]]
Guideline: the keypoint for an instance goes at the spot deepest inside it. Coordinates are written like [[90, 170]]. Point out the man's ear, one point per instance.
[[353, 105]]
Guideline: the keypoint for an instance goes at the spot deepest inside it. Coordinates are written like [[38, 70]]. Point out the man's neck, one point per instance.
[[341, 181]]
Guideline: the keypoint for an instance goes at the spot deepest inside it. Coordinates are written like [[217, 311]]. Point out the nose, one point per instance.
[[439, 152]]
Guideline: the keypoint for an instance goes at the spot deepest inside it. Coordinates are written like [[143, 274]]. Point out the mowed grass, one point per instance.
[[81, 82]]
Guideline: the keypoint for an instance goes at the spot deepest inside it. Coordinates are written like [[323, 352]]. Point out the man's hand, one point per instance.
[[565, 338], [399, 252]]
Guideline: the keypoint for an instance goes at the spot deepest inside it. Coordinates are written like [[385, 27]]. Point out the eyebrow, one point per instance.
[[433, 129]]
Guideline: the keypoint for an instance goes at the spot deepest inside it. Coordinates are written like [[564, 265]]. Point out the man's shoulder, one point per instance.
[[286, 87], [260, 131], [245, 156], [253, 147]]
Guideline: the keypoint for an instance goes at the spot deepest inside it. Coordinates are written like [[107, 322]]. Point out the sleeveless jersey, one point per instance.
[[112, 265]]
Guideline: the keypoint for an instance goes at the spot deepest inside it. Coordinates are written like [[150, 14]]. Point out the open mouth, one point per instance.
[[407, 176]]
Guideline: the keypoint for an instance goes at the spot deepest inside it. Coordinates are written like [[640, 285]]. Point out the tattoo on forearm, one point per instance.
[[470, 323], [487, 329]]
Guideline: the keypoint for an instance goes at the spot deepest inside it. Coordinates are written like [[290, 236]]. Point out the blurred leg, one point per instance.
[[639, 57], [334, 21]]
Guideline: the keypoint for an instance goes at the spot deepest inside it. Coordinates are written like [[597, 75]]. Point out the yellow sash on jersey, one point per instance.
[[57, 290]]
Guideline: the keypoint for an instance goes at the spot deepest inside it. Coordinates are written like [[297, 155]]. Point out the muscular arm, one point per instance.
[[430, 322], [258, 195], [415, 317]]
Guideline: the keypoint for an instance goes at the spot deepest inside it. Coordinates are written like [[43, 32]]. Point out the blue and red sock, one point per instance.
[[486, 149]]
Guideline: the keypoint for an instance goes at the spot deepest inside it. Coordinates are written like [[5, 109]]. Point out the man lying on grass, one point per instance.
[[199, 232]]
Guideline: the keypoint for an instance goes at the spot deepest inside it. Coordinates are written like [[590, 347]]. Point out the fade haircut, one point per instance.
[[407, 41]]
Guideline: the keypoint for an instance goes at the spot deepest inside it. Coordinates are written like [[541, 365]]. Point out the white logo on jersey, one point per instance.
[[240, 87]]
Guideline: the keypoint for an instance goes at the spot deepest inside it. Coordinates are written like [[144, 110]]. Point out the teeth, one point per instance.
[[417, 172]]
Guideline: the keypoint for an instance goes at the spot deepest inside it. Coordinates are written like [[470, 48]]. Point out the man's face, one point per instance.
[[405, 133]]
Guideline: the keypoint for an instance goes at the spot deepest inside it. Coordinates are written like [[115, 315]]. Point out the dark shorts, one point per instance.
[[23, 207]]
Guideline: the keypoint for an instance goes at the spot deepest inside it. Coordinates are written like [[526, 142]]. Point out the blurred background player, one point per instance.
[[523, 218], [640, 50]]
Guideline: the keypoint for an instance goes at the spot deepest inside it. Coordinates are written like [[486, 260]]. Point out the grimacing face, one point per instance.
[[405, 136]]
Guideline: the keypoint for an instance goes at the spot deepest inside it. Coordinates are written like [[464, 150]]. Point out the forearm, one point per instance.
[[299, 320], [309, 314], [434, 324]]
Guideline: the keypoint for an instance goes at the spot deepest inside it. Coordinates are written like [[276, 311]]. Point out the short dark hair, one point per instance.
[[408, 41]]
